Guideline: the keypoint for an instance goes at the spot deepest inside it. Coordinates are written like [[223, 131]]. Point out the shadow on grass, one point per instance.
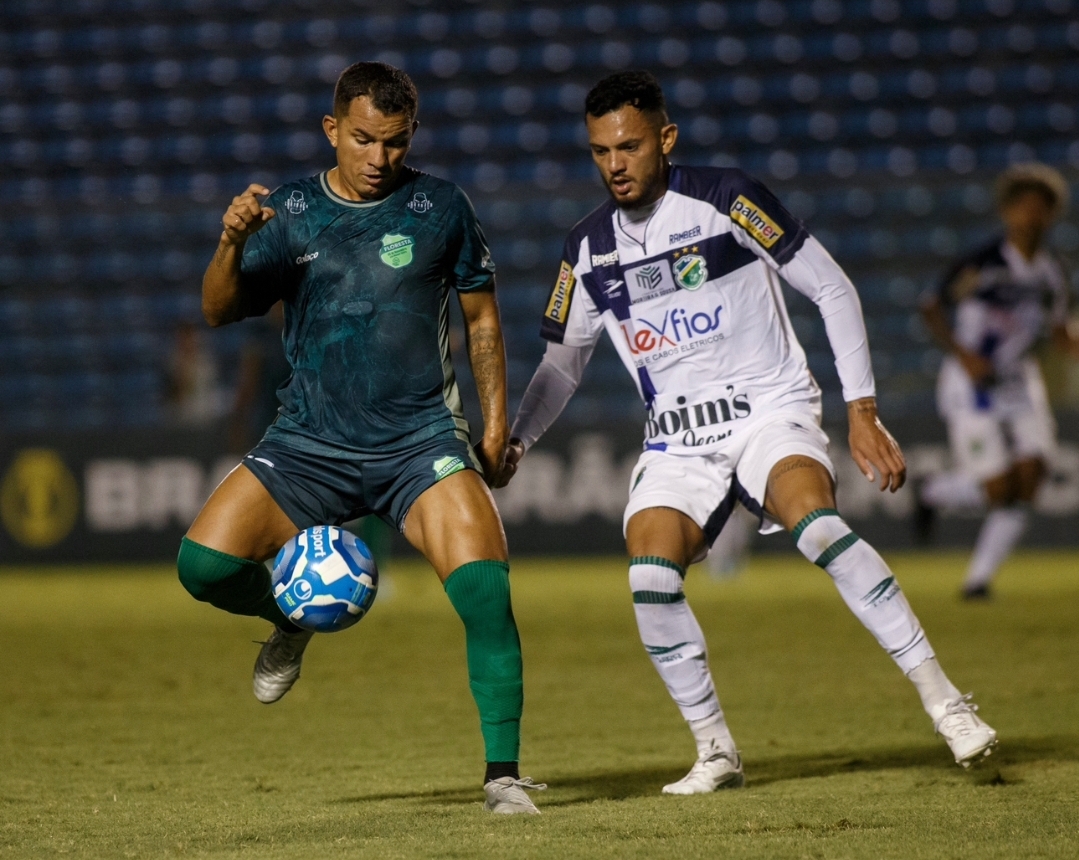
[[622, 784]]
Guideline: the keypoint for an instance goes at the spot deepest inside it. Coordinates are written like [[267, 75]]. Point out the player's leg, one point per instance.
[[662, 541], [455, 525], [221, 557], [800, 495]]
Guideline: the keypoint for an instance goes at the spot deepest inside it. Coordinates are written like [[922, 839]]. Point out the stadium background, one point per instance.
[[126, 127]]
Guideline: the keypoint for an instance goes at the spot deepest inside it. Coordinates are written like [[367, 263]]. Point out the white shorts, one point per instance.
[[1014, 424], [705, 487]]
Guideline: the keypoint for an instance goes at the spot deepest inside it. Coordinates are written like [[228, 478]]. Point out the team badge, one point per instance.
[[447, 466], [396, 250], [690, 271], [295, 203], [420, 203]]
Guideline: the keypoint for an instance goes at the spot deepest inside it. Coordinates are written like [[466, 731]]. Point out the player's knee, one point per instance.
[[203, 571]]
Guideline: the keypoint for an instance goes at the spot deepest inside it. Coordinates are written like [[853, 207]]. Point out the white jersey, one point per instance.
[[1003, 306], [695, 308]]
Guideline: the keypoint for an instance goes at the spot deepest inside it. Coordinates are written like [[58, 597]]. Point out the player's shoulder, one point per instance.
[[296, 195], [426, 189], [597, 226], [989, 255], [715, 185]]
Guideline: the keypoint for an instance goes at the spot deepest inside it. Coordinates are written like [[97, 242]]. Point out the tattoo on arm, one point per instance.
[[487, 356]]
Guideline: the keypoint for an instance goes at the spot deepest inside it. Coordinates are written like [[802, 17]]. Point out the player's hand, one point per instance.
[[872, 447], [491, 453], [978, 367], [515, 450], [246, 216]]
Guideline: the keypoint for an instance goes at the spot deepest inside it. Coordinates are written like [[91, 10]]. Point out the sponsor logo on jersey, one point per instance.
[[396, 250], [446, 466], [673, 332], [306, 258], [605, 259], [420, 203], [612, 287], [558, 306], [650, 281], [698, 423], [690, 271], [295, 203], [756, 223], [678, 238]]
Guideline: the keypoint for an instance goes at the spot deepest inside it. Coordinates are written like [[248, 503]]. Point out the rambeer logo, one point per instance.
[[756, 223], [677, 326], [318, 542], [694, 421], [605, 259]]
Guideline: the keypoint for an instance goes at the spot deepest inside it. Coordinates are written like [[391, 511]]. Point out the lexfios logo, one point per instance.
[[676, 327]]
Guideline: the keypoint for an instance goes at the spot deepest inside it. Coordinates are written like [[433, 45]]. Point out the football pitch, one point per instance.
[[128, 727]]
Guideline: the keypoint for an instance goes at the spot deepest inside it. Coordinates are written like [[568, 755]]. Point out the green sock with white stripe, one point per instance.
[[675, 642], [867, 585]]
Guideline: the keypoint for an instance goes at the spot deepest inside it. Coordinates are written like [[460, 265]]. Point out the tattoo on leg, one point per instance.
[[797, 463]]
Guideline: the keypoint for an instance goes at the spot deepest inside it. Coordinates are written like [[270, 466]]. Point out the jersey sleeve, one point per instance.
[[571, 317], [266, 266], [470, 264], [759, 221]]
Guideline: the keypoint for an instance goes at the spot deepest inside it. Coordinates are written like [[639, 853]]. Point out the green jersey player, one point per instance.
[[364, 257]]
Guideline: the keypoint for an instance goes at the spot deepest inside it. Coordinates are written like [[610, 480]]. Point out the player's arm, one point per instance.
[[935, 317], [814, 273], [224, 298], [487, 357]]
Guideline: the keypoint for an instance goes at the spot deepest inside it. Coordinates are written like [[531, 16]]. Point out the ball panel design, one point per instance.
[[325, 579]]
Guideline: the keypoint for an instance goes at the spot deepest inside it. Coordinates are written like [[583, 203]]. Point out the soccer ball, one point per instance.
[[325, 579]]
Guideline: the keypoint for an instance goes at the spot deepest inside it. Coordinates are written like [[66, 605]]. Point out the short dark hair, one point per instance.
[[1032, 177], [391, 91], [637, 89]]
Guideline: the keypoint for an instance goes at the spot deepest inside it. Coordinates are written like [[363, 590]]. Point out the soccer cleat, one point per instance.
[[968, 737], [711, 772], [506, 796], [925, 517], [973, 593], [278, 664]]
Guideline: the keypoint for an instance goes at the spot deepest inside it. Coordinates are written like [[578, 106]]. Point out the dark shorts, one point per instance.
[[316, 490]]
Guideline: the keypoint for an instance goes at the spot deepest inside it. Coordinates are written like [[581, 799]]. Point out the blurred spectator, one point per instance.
[[193, 395]]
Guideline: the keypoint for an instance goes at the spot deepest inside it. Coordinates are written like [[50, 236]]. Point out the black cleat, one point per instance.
[[925, 518], [976, 593]]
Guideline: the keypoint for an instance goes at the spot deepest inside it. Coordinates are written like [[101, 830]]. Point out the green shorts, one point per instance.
[[317, 490]]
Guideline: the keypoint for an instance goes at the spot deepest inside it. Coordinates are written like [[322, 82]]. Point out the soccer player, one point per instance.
[[681, 267], [990, 393], [364, 257]]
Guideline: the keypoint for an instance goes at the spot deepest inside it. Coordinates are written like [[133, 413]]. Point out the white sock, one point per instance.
[[933, 686], [712, 735], [866, 584], [672, 637], [953, 490], [1000, 533]]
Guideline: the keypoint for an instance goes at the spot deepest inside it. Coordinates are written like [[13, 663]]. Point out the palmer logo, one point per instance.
[[558, 306], [756, 223]]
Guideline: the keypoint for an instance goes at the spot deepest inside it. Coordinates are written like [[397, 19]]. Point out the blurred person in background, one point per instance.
[[992, 309], [681, 267], [193, 394]]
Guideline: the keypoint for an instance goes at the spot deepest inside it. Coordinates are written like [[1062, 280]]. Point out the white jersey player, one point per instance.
[[682, 269], [1003, 299]]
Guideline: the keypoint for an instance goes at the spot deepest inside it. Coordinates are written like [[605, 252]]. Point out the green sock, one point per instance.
[[236, 585], [480, 592]]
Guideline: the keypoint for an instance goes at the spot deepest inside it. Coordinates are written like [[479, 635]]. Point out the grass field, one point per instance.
[[128, 727]]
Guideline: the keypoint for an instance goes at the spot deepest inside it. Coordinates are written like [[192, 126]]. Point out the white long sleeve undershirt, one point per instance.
[[811, 271]]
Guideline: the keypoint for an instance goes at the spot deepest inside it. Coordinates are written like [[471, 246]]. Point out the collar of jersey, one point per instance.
[[337, 198]]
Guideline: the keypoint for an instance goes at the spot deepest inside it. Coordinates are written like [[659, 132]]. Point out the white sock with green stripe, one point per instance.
[[866, 584], [675, 642]]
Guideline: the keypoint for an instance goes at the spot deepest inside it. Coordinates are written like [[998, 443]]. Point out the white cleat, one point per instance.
[[966, 733], [711, 772], [506, 796], [278, 664]]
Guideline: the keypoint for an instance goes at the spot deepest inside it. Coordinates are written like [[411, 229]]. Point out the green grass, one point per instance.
[[128, 728]]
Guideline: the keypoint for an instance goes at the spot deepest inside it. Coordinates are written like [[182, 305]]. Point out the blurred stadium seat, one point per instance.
[[127, 125]]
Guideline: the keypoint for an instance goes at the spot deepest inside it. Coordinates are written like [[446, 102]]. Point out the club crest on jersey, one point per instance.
[[756, 223], [396, 250], [420, 203], [690, 271], [558, 306], [295, 203]]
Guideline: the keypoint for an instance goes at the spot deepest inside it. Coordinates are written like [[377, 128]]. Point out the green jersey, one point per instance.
[[366, 289]]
